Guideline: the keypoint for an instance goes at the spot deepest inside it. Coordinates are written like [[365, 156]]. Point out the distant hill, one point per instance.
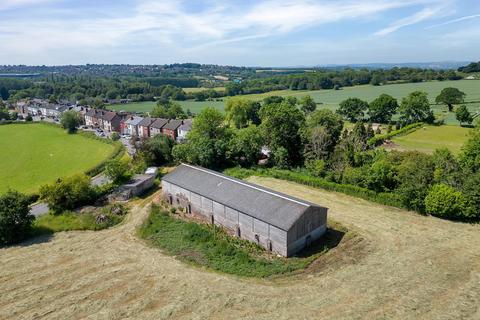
[[443, 65], [472, 67]]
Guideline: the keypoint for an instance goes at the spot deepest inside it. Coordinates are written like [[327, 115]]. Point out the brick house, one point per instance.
[[144, 127], [171, 128], [157, 126]]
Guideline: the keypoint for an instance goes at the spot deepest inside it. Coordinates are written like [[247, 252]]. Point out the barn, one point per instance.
[[278, 222]]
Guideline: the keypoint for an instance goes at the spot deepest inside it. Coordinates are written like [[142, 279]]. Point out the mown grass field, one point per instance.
[[331, 98], [403, 266], [36, 154], [429, 138]]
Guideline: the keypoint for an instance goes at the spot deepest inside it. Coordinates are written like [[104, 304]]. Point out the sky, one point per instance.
[[235, 32]]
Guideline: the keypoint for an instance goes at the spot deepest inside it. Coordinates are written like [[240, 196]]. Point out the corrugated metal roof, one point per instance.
[[277, 209]]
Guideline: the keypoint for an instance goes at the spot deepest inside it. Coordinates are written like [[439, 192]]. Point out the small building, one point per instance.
[[111, 121], [171, 128], [275, 221], [135, 187], [144, 127], [157, 126]]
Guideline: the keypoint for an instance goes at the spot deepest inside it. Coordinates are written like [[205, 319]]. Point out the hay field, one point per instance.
[[410, 267]]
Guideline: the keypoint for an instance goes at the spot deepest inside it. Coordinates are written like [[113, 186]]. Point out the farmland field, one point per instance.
[[429, 138], [331, 98], [36, 154], [406, 266]]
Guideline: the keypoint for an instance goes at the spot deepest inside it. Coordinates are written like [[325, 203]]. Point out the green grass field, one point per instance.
[[331, 98], [429, 138], [36, 154]]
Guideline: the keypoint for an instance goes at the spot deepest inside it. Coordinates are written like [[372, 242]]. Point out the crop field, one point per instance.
[[429, 138], [331, 98], [406, 266], [36, 154], [193, 90]]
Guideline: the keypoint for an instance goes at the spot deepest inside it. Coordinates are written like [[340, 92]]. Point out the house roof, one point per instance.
[[277, 209], [146, 122], [187, 125], [109, 115], [133, 120], [159, 123], [173, 124]]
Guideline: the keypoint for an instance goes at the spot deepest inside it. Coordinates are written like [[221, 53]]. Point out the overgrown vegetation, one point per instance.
[[212, 247], [95, 219]]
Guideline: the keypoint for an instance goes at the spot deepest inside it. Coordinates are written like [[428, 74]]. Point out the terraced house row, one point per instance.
[[142, 127]]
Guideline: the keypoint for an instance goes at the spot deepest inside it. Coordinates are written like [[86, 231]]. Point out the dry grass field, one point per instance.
[[408, 267]]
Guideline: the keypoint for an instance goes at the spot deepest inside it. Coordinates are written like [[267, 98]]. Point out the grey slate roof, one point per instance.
[[159, 123], [173, 124], [146, 122], [269, 206]]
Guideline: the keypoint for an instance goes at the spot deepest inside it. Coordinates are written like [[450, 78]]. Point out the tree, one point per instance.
[[415, 175], [68, 193], [447, 169], [15, 217], [307, 105], [470, 155], [116, 169], [168, 109], [416, 108], [463, 115], [382, 109], [157, 150], [240, 112], [4, 114], [70, 120], [445, 202], [321, 133], [352, 109], [208, 141], [471, 192], [280, 125], [246, 145], [450, 96]]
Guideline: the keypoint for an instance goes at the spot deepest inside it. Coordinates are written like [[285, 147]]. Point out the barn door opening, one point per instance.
[[239, 232], [308, 241], [189, 208], [212, 219], [170, 199]]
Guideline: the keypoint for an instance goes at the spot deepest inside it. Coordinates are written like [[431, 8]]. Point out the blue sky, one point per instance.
[[235, 32]]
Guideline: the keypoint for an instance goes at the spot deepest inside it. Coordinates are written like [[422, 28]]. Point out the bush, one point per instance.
[[68, 193], [15, 217], [379, 139], [116, 169], [445, 202], [306, 179], [115, 136]]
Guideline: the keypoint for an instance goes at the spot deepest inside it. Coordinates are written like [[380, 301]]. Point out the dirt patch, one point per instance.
[[400, 266]]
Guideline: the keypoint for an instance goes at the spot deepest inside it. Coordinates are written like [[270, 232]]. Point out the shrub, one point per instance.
[[116, 169], [445, 202], [68, 193], [15, 217], [115, 136]]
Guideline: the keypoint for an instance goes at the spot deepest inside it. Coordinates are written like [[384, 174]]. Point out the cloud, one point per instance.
[[419, 16], [9, 4], [454, 21]]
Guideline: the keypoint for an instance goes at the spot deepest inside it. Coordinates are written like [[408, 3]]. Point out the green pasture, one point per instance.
[[36, 154], [331, 98], [429, 138]]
